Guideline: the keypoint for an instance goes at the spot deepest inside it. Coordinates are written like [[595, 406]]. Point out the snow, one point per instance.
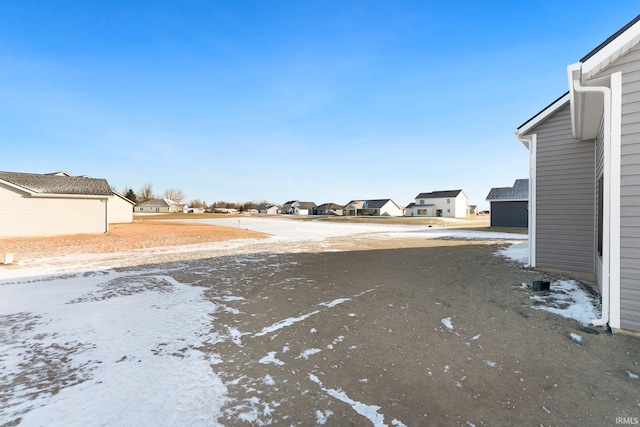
[[147, 370], [271, 358], [309, 352], [447, 322], [285, 323], [370, 412], [126, 343], [568, 299], [577, 338], [518, 252]]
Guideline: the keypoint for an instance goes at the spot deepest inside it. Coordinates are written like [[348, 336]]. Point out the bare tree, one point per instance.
[[145, 193], [174, 194], [197, 203]]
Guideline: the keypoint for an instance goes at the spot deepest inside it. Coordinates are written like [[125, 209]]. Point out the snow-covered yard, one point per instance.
[[109, 346]]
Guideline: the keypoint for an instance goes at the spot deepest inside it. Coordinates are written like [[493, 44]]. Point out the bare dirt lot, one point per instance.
[[387, 345], [125, 237], [416, 332]]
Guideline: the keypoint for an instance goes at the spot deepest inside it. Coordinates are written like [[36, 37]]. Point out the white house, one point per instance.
[[448, 204], [373, 207], [296, 207], [53, 204], [160, 206]]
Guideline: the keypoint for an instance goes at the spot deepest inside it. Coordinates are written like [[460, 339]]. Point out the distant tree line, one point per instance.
[[145, 193]]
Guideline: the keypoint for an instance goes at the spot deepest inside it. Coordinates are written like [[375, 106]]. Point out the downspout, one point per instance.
[[574, 74], [530, 143]]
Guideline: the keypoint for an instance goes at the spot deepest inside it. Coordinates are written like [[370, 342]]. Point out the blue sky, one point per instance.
[[322, 101]]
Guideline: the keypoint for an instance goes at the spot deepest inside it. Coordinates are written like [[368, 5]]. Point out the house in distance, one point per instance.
[[510, 205], [450, 203]]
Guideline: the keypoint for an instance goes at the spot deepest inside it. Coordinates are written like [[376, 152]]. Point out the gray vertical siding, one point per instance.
[[629, 64], [565, 194]]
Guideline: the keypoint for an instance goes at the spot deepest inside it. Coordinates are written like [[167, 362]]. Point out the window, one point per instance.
[[448, 201], [422, 202], [448, 210]]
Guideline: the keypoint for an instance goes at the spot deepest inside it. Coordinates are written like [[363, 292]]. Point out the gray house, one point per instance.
[[510, 205], [584, 194], [328, 209]]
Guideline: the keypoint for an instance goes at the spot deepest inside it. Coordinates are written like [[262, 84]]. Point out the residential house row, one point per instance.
[[446, 204]]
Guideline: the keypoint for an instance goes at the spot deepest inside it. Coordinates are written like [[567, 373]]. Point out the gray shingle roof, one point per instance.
[[163, 203], [519, 191], [306, 205], [438, 194], [330, 206], [58, 184]]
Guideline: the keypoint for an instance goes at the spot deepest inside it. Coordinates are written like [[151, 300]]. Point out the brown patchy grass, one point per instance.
[[126, 237]]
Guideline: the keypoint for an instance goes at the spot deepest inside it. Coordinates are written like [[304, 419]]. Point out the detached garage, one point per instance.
[[42, 204], [510, 205]]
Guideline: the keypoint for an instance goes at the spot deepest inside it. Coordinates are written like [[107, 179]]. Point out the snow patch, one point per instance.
[[567, 299], [271, 358], [447, 322]]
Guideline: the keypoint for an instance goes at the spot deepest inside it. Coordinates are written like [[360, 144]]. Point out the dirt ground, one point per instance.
[[416, 332], [124, 237], [387, 345]]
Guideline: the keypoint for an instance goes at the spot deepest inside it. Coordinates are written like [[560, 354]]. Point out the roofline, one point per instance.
[[32, 193], [508, 200], [17, 187], [615, 46], [115, 193], [609, 39], [71, 196], [440, 197], [543, 114]]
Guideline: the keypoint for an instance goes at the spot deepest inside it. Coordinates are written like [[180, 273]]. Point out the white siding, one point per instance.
[[120, 211], [23, 215], [460, 206], [391, 209]]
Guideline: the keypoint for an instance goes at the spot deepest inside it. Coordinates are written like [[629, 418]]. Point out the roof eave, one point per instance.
[[611, 49], [523, 130]]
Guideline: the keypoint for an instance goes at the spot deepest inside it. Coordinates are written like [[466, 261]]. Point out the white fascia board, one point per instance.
[[524, 129], [17, 187], [612, 51], [71, 196], [115, 193]]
